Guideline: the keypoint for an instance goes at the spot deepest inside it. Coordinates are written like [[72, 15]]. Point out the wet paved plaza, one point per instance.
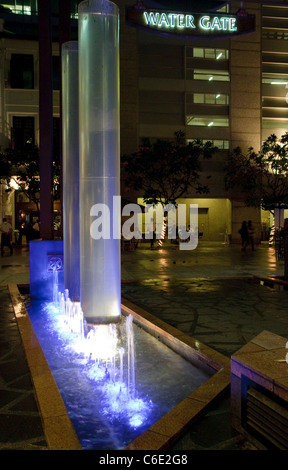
[[209, 293], [224, 314], [213, 295]]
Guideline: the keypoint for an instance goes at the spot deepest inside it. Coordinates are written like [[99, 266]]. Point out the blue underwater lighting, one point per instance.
[[113, 399]]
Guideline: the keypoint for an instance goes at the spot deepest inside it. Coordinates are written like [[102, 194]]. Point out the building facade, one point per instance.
[[230, 90]]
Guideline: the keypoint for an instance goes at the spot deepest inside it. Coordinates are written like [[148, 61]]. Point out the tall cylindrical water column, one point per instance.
[[70, 135], [99, 126]]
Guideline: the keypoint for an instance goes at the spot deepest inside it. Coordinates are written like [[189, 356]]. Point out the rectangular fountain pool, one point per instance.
[[176, 379], [101, 413]]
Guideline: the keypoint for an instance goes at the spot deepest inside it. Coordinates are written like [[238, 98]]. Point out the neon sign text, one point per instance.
[[171, 20], [216, 23], [190, 25], [180, 20]]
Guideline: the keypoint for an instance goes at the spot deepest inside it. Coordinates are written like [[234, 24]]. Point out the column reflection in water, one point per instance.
[[70, 132], [99, 160]]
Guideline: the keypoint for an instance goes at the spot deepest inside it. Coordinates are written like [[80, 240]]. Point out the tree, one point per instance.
[[261, 176], [19, 168], [165, 170]]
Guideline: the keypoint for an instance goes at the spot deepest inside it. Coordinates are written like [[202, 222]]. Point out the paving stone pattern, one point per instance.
[[20, 421], [224, 314]]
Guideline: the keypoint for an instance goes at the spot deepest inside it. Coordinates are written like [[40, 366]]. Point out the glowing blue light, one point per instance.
[[102, 359], [136, 421], [106, 409]]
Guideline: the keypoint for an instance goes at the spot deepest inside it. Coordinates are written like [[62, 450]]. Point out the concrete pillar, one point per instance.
[[45, 121], [245, 85]]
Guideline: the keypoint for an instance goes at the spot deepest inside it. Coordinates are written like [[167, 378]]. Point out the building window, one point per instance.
[[21, 7], [207, 121], [203, 63], [220, 144], [275, 35], [30, 7], [276, 79], [274, 123], [274, 69], [211, 75], [210, 98], [22, 71], [22, 132], [206, 53]]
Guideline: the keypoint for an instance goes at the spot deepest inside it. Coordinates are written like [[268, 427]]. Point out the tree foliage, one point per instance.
[[21, 168], [262, 176], [165, 170]]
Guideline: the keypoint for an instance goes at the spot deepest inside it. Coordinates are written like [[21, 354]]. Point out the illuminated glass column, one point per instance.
[[70, 134], [100, 278]]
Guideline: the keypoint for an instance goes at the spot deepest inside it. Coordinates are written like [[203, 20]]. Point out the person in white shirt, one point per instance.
[[6, 235]]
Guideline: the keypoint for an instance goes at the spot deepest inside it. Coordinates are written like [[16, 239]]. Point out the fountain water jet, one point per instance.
[[107, 355]]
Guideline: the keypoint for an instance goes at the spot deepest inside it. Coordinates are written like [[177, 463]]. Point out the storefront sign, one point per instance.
[[192, 25]]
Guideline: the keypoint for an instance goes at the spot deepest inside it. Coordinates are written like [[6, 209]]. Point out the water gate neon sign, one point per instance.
[[192, 25], [178, 20]]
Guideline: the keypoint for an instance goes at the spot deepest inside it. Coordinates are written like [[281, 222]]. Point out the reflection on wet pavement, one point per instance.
[[209, 294]]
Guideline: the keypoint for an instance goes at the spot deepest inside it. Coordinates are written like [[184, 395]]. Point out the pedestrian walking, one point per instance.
[[6, 236]]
